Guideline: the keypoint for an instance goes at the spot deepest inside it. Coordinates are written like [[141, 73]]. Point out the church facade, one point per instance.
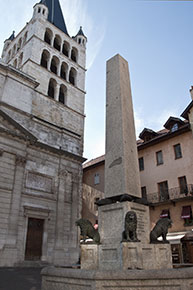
[[42, 96]]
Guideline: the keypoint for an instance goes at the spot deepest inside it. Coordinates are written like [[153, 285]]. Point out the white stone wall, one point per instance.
[[40, 181]]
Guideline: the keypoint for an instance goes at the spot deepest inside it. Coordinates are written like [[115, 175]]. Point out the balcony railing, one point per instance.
[[170, 194]]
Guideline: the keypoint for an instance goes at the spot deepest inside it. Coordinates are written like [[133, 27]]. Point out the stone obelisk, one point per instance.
[[121, 159]]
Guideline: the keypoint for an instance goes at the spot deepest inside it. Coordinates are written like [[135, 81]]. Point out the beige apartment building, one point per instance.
[[166, 174]]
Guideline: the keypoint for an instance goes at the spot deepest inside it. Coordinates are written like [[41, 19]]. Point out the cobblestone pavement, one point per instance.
[[20, 279]]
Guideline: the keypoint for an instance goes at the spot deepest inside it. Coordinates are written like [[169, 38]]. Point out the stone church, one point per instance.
[[42, 96]]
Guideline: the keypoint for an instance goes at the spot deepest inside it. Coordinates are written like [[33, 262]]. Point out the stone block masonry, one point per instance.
[[121, 162]]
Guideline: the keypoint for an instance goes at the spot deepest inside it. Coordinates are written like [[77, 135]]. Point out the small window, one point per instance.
[[144, 192], [163, 191], [39, 10], [159, 157], [62, 94], [174, 127], [187, 215], [141, 163], [165, 214], [44, 11], [183, 185], [96, 178], [177, 151]]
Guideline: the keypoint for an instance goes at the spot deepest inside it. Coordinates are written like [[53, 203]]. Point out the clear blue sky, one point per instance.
[[155, 37]]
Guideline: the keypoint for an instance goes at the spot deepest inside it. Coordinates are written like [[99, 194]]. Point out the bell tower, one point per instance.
[[45, 51]]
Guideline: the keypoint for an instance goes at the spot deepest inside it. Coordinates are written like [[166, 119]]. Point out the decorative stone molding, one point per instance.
[[31, 210], [20, 160], [63, 173]]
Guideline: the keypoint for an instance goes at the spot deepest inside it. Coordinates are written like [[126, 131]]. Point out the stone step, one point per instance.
[[31, 264]]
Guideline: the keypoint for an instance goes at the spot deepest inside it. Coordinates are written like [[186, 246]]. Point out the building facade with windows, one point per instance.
[[165, 166], [42, 92]]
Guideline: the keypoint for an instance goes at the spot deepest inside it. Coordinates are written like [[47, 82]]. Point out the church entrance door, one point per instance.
[[33, 250]]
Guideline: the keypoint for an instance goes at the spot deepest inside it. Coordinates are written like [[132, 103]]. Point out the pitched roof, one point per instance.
[[55, 15], [187, 110], [80, 32], [173, 120]]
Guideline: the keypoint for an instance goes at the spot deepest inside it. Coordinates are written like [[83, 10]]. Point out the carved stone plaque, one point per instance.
[[39, 182]]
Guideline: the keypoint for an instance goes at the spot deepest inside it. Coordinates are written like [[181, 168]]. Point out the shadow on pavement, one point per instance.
[[20, 278]]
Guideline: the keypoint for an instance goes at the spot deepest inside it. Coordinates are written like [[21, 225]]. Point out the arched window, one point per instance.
[[72, 76], [25, 37], [9, 55], [39, 10], [19, 44], [63, 71], [62, 94], [54, 65], [44, 59], [20, 59], [48, 36], [57, 42], [14, 49], [74, 54], [65, 49], [15, 63], [52, 88]]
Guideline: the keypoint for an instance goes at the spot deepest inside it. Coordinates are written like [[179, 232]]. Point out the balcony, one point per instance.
[[171, 194]]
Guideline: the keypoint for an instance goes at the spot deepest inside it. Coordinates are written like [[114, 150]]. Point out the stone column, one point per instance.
[[121, 158], [16, 200], [57, 91], [59, 232]]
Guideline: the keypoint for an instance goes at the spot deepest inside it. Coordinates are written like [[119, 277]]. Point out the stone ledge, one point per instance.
[[163, 274]]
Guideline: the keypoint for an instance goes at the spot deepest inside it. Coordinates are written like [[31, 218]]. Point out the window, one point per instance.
[[48, 36], [63, 71], [15, 63], [54, 65], [163, 191], [174, 127], [165, 213], [20, 59], [141, 164], [144, 192], [159, 157], [44, 59], [52, 88], [74, 54], [72, 76], [96, 178], [65, 49], [183, 185], [19, 44], [57, 42], [62, 94], [187, 215], [177, 151]]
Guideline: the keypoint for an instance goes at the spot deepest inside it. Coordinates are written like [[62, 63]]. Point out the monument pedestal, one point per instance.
[[112, 254], [126, 256]]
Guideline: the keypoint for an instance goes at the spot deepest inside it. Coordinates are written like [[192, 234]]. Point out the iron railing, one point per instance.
[[170, 194]]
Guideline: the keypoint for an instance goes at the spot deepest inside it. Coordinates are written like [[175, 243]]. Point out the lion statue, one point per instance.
[[87, 230], [130, 232], [160, 229]]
